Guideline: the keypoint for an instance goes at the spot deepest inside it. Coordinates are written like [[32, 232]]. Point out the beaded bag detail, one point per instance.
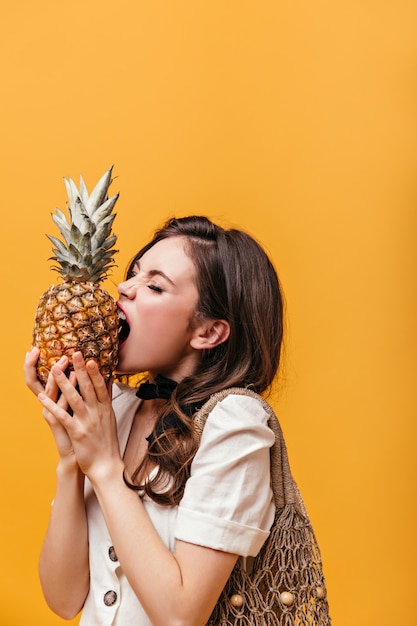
[[284, 584]]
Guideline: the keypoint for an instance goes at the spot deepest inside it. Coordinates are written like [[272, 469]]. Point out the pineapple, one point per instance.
[[77, 314]]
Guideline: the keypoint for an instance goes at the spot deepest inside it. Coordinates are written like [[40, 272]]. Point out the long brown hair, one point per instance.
[[236, 282]]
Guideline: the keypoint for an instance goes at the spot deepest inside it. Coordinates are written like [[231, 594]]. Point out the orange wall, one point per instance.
[[294, 120]]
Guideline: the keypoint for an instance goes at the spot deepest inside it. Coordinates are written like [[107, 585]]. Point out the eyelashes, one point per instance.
[[151, 286], [156, 288], [134, 273]]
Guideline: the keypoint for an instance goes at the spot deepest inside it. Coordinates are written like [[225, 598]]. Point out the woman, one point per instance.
[[146, 528]]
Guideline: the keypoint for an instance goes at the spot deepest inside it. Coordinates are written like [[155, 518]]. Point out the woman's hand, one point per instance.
[[92, 426], [51, 390], [31, 376]]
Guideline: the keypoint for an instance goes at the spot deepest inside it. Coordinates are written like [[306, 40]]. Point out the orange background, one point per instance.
[[294, 120]]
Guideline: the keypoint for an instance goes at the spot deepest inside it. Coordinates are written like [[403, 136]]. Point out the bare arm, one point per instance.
[[179, 589], [63, 568], [63, 565]]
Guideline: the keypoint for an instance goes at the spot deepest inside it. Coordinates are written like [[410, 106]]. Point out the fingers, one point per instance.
[[84, 385], [69, 394], [82, 394], [110, 388], [90, 380], [29, 368], [31, 375], [101, 389], [51, 388], [52, 411], [60, 399], [47, 415]]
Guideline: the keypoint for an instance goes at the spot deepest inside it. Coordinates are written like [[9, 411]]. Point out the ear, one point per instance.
[[210, 334]]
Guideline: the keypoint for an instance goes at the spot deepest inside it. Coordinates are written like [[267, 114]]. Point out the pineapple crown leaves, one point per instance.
[[86, 252]]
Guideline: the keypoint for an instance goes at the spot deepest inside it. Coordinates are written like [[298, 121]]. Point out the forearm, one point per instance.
[[179, 588], [63, 567]]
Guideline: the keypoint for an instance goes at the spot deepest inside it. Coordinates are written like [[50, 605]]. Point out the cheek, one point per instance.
[[160, 310], [172, 328]]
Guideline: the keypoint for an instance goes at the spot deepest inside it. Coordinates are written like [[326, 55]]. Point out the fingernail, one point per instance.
[[56, 371]]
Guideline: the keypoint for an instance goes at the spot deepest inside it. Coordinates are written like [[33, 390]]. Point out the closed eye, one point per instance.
[[155, 288]]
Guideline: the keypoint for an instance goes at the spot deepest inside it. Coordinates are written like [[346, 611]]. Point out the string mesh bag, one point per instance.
[[284, 584]]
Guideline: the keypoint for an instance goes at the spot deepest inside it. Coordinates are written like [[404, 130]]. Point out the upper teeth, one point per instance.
[[122, 315]]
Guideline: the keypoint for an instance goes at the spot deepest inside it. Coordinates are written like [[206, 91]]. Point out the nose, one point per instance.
[[127, 288]]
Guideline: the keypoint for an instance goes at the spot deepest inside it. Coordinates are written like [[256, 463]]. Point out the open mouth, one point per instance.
[[124, 328]]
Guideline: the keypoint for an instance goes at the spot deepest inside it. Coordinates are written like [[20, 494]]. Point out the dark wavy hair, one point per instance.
[[236, 282]]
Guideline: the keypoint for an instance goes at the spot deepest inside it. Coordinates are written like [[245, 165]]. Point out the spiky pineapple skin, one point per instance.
[[76, 316]]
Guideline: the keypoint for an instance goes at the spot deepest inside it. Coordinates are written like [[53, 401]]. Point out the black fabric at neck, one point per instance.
[[161, 388]]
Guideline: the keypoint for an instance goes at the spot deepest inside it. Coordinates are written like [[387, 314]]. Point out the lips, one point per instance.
[[124, 328]]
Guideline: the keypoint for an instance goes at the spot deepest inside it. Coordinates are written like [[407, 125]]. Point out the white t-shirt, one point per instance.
[[227, 504]]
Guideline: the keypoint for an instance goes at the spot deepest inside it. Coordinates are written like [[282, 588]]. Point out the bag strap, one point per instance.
[[282, 483]]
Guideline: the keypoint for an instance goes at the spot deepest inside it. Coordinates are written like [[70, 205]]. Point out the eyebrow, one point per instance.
[[152, 273]]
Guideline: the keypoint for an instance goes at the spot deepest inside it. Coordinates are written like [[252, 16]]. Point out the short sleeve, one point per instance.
[[228, 501]]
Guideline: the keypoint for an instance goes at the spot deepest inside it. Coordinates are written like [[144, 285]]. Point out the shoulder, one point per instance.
[[233, 420], [234, 410], [249, 406], [228, 503]]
